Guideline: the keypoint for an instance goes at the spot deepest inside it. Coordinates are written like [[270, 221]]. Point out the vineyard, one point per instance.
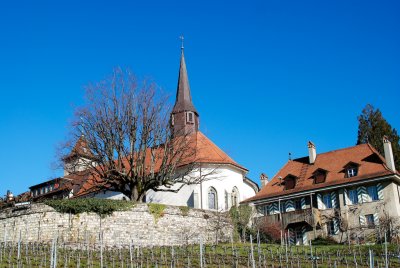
[[223, 255]]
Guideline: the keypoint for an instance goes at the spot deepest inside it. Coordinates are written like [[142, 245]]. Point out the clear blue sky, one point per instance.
[[266, 76]]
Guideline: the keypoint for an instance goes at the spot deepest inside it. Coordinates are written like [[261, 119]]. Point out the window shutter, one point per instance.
[[275, 208], [291, 236], [303, 203], [260, 209], [304, 233], [379, 188], [270, 209], [334, 200], [362, 194], [320, 204], [347, 200], [363, 221], [289, 206], [376, 218], [335, 226]]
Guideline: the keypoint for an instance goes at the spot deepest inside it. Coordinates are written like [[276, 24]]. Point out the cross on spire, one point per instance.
[[182, 39]]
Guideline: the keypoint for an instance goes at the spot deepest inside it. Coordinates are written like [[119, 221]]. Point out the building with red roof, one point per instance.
[[341, 193]]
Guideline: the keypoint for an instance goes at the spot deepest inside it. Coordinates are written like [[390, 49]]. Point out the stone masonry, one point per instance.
[[41, 223]]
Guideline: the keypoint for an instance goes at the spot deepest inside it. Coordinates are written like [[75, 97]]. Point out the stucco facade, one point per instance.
[[229, 183]]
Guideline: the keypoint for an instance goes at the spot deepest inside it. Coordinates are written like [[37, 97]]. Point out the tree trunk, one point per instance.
[[135, 195]]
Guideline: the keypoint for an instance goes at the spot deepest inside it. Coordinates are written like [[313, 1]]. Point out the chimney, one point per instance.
[[312, 152], [263, 179], [387, 147]]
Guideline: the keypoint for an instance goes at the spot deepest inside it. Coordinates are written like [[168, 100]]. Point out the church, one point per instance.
[[225, 184]]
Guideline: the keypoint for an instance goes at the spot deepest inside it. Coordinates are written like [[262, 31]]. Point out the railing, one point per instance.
[[309, 215]]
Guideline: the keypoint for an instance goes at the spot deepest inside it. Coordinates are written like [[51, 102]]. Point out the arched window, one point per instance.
[[212, 198], [235, 197]]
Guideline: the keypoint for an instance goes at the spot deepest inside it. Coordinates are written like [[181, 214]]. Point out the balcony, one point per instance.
[[311, 216]]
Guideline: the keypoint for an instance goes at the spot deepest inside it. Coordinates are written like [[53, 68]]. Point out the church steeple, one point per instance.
[[184, 117]]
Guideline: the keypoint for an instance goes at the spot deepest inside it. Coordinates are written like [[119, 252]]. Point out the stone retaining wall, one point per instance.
[[41, 223]]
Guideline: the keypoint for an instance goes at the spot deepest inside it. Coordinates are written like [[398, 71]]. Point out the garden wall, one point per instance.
[[176, 226]]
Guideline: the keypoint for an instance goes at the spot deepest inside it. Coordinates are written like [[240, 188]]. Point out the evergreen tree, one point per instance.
[[371, 129]]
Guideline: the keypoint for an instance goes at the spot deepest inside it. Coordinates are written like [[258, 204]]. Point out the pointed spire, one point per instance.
[[183, 100]]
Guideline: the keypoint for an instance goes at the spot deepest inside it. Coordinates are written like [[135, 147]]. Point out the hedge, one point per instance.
[[102, 207]]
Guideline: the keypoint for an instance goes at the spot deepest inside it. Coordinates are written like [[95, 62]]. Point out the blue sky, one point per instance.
[[266, 76]]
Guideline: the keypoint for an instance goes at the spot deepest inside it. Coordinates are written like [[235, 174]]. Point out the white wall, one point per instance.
[[222, 178], [185, 196], [108, 195]]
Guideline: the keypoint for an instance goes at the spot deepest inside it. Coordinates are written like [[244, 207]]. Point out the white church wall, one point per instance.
[[187, 196], [222, 178], [108, 195], [223, 181]]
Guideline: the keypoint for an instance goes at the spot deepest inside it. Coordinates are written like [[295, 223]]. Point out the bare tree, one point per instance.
[[128, 143], [241, 216]]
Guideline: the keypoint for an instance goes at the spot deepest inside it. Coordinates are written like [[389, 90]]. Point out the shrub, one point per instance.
[[324, 241], [184, 210], [102, 207], [157, 210], [271, 231]]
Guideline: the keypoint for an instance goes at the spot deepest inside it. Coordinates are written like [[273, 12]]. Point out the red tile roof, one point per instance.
[[371, 165], [80, 149], [205, 152], [208, 152]]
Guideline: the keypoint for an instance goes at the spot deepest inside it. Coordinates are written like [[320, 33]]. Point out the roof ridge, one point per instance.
[[334, 151]]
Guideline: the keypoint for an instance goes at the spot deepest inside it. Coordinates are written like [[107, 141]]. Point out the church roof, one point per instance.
[[370, 165], [206, 152], [183, 100], [209, 152], [81, 148]]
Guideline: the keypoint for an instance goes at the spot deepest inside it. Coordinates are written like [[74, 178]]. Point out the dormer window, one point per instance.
[[352, 172], [319, 176], [351, 169], [190, 117], [290, 182]]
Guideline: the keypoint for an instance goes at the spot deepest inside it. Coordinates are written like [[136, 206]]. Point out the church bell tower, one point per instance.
[[184, 116]]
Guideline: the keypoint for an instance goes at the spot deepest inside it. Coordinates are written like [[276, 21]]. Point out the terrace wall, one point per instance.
[[41, 223]]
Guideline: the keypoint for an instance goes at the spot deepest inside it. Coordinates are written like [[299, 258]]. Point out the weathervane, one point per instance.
[[182, 38]]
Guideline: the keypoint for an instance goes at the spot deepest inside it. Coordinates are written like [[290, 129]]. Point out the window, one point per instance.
[[372, 193], [353, 196], [172, 120], [351, 172], [212, 198], [370, 220], [297, 204], [235, 197], [189, 117], [326, 198], [331, 227], [319, 176], [290, 182]]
